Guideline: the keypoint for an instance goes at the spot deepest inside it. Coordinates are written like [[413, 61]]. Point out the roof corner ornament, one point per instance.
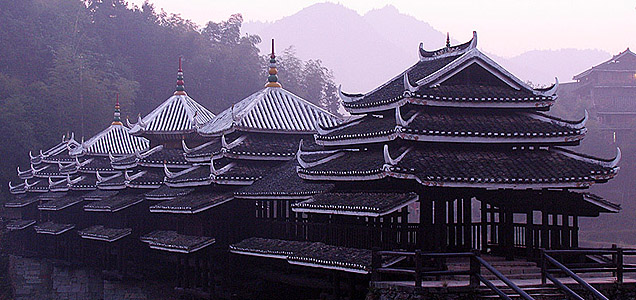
[[68, 178], [77, 162], [391, 161], [617, 159], [419, 52], [552, 91], [185, 146], [167, 171], [272, 79], [51, 182], [345, 98], [224, 143], [299, 154], [11, 187], [213, 170], [41, 153], [140, 121], [31, 155], [448, 44], [409, 89], [400, 121], [99, 176], [126, 176], [583, 121], [111, 156], [128, 124], [473, 41]]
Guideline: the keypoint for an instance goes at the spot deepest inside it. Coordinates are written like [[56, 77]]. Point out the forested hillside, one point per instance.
[[63, 61]]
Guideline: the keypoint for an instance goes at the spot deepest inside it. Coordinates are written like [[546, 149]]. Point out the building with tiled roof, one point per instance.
[[610, 89], [277, 185]]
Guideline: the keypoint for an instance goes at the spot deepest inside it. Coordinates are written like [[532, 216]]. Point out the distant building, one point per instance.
[[611, 89]]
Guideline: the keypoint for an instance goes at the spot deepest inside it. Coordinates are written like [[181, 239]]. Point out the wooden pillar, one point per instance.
[[440, 227], [545, 233], [565, 233], [468, 221], [509, 233], [484, 226], [555, 232], [450, 209], [529, 241], [575, 231], [404, 233], [426, 221]]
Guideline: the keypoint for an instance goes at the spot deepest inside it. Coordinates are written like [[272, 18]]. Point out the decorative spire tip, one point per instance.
[[117, 114], [272, 79], [180, 83], [448, 40]]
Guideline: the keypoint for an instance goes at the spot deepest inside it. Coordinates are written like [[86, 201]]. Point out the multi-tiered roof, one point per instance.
[[455, 119]]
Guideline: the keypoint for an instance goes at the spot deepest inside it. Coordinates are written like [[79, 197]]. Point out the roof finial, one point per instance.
[[447, 40], [180, 84], [272, 79], [117, 114]]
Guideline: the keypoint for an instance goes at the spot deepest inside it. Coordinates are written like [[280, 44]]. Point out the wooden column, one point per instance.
[[440, 224], [450, 210], [545, 233], [565, 234], [529, 233], [509, 233], [468, 220], [484, 226], [575, 232], [426, 223]]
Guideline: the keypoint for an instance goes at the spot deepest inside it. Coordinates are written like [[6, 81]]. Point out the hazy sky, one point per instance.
[[506, 27]]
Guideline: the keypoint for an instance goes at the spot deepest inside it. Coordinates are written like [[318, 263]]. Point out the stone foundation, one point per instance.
[[43, 280]]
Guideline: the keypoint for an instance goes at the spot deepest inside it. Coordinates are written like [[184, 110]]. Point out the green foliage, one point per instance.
[[63, 61]]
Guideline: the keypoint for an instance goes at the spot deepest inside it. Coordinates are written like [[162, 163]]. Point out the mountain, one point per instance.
[[364, 51]]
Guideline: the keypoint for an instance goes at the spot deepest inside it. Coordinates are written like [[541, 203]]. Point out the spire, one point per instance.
[[272, 79], [180, 84], [117, 114], [447, 40]]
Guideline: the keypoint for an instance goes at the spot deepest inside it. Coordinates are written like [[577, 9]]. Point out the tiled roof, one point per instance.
[[53, 228], [148, 178], [101, 233], [192, 203], [445, 165], [99, 195], [86, 182], [203, 152], [395, 87], [98, 163], [271, 109], [265, 146], [311, 254], [21, 200], [172, 157], [167, 193], [112, 182], [355, 204], [283, 182], [437, 124], [19, 224], [624, 61], [61, 203], [432, 82], [178, 114], [114, 204], [115, 140], [171, 241]]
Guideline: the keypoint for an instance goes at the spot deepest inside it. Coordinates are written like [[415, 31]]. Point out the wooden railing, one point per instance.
[[419, 270], [579, 263]]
